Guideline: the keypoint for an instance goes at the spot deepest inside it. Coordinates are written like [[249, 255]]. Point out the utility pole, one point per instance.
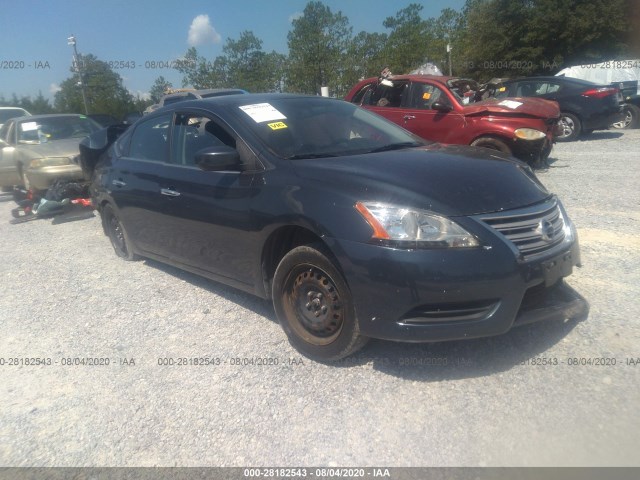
[[78, 67]]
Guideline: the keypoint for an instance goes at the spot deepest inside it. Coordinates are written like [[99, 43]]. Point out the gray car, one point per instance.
[[35, 151]]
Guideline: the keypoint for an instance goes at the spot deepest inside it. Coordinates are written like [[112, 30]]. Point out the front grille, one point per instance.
[[532, 231]]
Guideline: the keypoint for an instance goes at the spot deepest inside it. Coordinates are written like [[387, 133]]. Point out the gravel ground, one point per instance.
[[66, 295]]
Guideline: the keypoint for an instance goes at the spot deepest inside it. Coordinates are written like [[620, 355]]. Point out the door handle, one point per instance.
[[409, 117], [119, 183], [169, 193]]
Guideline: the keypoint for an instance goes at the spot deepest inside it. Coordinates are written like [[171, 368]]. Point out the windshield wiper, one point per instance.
[[395, 146], [300, 156]]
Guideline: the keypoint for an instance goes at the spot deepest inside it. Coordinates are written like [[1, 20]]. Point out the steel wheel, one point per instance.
[[312, 297], [314, 305]]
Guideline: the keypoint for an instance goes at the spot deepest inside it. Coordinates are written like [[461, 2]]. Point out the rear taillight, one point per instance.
[[600, 92]]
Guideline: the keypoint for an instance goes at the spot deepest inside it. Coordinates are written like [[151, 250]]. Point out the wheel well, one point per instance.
[[500, 138], [279, 243]]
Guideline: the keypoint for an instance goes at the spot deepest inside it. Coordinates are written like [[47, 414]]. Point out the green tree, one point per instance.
[[104, 90], [34, 106], [408, 43], [509, 38], [243, 64], [160, 85], [364, 57], [318, 45], [246, 65]]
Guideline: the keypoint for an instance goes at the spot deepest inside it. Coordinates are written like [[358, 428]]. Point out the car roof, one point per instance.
[[47, 115], [417, 77], [232, 100], [551, 78]]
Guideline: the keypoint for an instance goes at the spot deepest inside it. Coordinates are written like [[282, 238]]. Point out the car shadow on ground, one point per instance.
[[601, 135], [424, 362]]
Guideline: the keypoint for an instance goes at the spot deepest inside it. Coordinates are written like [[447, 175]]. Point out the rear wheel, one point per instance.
[[492, 143], [314, 305], [631, 118], [571, 127], [117, 234]]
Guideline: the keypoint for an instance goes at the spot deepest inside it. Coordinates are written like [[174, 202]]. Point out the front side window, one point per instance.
[[424, 95], [193, 133], [150, 139]]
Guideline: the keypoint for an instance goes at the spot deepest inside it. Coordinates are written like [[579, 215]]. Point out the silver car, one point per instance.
[[35, 151]]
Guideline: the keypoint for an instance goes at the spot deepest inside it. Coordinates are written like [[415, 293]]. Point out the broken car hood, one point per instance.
[[534, 107]]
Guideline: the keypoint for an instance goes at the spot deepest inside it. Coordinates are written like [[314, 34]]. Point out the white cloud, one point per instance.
[[294, 16], [54, 88], [201, 32], [141, 94]]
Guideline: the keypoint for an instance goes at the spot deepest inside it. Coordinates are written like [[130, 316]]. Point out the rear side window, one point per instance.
[[534, 89], [150, 139], [388, 96]]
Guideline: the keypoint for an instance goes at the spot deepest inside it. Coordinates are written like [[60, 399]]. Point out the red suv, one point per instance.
[[451, 110]]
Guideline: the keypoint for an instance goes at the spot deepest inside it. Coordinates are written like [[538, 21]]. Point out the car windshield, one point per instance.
[[309, 127], [464, 90], [9, 113], [42, 130]]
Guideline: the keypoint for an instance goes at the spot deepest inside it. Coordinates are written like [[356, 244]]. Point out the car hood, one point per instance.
[[450, 180], [535, 107], [56, 148]]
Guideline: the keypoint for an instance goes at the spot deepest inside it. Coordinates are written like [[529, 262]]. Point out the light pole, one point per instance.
[[449, 52], [76, 60]]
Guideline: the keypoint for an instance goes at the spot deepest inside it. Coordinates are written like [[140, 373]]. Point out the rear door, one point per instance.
[[135, 182]]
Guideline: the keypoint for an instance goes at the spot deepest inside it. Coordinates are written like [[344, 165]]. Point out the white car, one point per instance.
[[7, 113]]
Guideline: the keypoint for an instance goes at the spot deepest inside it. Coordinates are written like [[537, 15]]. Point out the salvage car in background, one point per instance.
[[7, 113], [584, 106], [354, 227], [449, 110], [38, 150]]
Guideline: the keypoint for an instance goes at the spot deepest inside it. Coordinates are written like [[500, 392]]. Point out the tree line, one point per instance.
[[487, 38]]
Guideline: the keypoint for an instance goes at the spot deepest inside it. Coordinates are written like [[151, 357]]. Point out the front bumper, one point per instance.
[[437, 295], [42, 178], [532, 150]]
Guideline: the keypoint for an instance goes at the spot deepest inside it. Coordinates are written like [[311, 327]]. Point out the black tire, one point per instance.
[[314, 305], [571, 127], [492, 143], [117, 234], [631, 118]]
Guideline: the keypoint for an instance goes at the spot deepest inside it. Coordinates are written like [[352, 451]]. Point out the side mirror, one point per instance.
[[441, 107], [215, 159]]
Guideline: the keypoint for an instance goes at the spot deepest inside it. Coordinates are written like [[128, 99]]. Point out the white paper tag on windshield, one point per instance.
[[28, 126], [510, 104], [262, 112]]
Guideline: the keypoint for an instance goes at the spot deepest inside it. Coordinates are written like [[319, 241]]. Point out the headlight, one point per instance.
[[49, 162], [529, 134], [399, 224]]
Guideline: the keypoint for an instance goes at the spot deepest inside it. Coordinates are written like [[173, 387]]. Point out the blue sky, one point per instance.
[[34, 55]]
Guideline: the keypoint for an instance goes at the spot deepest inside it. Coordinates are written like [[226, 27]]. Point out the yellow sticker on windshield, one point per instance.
[[426, 96], [277, 125], [502, 89]]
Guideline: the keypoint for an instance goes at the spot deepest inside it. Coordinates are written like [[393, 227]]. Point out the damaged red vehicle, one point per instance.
[[453, 110]]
